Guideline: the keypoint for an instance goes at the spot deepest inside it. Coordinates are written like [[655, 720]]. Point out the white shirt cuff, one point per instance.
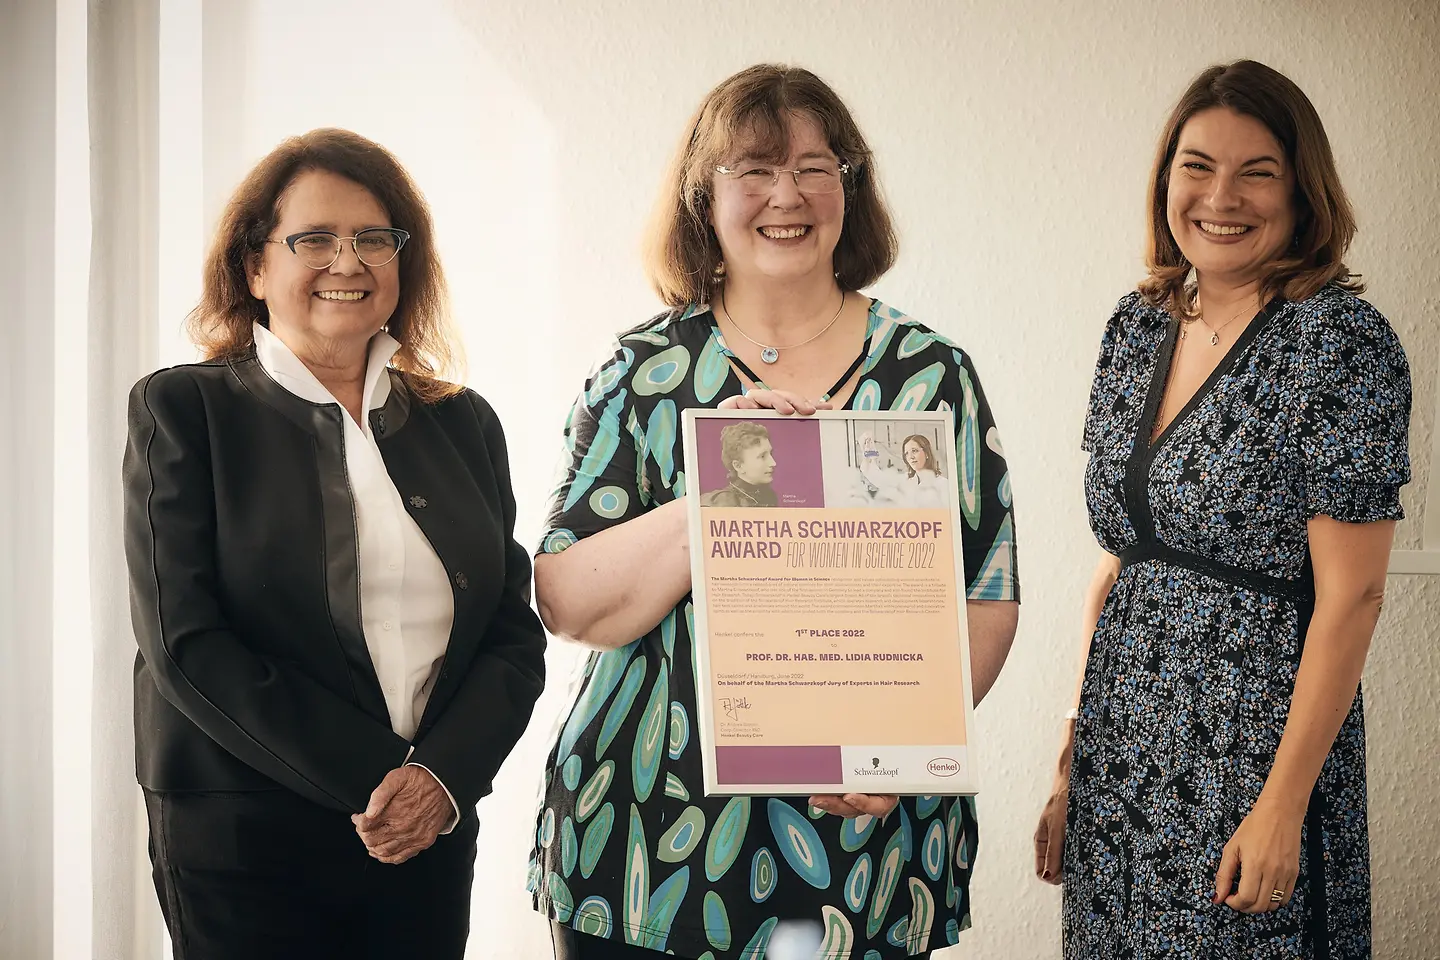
[[454, 820]]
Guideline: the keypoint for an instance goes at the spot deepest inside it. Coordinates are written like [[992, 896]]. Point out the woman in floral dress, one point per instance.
[[1248, 440]]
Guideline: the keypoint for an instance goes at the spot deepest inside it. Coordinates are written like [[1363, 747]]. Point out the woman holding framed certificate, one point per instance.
[[772, 213]]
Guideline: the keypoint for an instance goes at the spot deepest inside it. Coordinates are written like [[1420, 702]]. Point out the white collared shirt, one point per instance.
[[406, 607]]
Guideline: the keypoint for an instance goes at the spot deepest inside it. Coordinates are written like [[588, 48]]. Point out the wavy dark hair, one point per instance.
[[1324, 223]]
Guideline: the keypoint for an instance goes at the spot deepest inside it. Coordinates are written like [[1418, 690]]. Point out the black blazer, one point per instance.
[[245, 596]]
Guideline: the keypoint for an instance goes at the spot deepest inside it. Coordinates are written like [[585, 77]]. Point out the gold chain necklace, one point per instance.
[[1214, 331]]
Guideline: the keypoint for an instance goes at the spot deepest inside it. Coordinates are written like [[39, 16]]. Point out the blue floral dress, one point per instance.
[[1193, 660], [627, 845]]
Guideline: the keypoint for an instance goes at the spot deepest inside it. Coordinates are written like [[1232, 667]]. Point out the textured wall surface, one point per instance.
[[1014, 142]]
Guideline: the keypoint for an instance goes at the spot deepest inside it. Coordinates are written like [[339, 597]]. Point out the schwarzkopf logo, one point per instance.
[[876, 770]]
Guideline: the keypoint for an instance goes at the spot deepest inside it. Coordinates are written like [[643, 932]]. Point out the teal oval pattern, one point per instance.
[[569, 847], [711, 371], [898, 933], [907, 833], [917, 392], [620, 706], [559, 540], [683, 836], [610, 502], [755, 949], [661, 373], [855, 832], [594, 917], [839, 935], [717, 921], [570, 773], [932, 851], [887, 878], [922, 916], [924, 806], [604, 381], [915, 341], [594, 791], [679, 730], [857, 885], [868, 396], [660, 438], [799, 844], [664, 904], [561, 900], [967, 450], [763, 875], [598, 457], [674, 788], [637, 881], [609, 667], [546, 834], [650, 743], [952, 931], [596, 836], [726, 837]]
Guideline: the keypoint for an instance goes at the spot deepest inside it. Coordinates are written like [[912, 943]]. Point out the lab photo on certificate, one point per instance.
[[765, 462], [886, 463]]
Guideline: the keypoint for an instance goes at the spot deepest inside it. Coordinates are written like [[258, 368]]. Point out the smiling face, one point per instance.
[[756, 465], [783, 234], [1230, 202], [348, 302]]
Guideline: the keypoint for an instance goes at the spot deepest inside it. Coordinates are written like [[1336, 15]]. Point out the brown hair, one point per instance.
[[681, 250], [221, 324], [736, 438], [1324, 223], [923, 443]]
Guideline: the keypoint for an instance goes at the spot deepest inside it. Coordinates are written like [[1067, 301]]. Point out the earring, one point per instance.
[[719, 270]]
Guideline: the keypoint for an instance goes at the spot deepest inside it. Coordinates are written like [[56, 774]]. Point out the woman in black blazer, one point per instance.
[[337, 649]]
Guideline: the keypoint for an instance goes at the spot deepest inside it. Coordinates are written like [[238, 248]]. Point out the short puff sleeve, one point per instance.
[[1355, 418]]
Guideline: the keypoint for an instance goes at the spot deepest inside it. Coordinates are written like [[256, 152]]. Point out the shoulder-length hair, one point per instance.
[[923, 442], [221, 324], [750, 111], [1325, 222]]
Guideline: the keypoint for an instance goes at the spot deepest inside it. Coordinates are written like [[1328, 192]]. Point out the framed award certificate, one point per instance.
[[830, 642]]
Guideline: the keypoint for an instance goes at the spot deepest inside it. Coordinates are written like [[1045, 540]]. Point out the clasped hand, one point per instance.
[[405, 815]]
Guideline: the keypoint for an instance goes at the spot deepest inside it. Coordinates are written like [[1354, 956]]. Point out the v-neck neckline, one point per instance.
[[1146, 438], [872, 319]]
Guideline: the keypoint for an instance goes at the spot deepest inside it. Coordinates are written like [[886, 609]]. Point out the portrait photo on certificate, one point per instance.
[[830, 632]]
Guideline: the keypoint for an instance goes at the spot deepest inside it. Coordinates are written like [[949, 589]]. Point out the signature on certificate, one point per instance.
[[732, 706]]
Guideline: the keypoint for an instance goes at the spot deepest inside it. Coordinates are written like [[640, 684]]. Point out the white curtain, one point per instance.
[[27, 282], [78, 179]]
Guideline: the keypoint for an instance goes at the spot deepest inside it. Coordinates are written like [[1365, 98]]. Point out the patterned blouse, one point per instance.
[[627, 844]]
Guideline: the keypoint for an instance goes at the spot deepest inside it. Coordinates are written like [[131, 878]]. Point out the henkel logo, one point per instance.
[[943, 767]]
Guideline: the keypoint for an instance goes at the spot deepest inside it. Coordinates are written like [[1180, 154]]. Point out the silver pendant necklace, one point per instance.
[[768, 352]]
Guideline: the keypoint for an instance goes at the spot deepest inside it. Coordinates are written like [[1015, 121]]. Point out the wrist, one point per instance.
[[1287, 802]]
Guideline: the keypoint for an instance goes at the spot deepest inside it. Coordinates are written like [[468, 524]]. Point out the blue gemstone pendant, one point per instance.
[[769, 354]]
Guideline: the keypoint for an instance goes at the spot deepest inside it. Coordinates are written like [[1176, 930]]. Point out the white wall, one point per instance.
[[1014, 142]]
